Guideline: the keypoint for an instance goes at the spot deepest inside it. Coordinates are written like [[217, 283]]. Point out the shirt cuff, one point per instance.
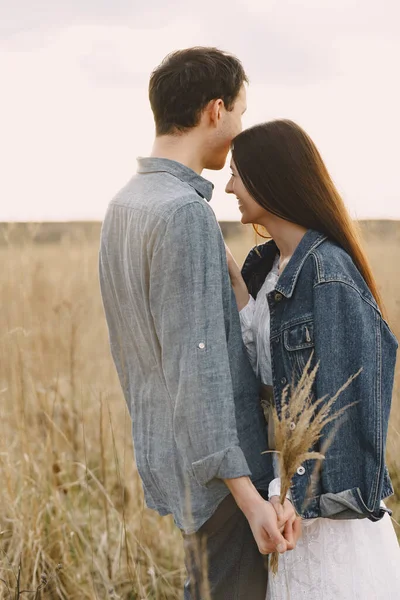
[[246, 314], [274, 489], [225, 464]]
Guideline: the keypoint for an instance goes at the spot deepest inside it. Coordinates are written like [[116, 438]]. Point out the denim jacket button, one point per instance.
[[301, 471], [202, 345], [283, 380], [278, 297]]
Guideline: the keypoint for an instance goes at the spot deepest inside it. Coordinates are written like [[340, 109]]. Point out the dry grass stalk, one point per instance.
[[49, 302], [300, 427], [69, 490]]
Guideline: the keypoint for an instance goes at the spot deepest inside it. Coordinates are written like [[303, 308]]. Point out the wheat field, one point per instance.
[[73, 524]]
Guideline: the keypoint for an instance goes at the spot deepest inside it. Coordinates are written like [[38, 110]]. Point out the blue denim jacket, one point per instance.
[[322, 306], [176, 342]]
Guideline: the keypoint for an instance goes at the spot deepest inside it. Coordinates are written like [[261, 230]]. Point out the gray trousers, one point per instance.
[[222, 558]]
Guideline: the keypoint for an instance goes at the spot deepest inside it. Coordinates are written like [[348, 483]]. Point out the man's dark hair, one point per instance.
[[185, 82]]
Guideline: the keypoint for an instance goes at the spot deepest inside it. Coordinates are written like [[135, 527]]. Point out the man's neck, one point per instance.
[[183, 148]]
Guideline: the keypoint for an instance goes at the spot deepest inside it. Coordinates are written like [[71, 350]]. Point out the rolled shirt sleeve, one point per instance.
[[188, 281]]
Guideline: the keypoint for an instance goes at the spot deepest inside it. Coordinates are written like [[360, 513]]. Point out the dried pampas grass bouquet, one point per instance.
[[298, 429]]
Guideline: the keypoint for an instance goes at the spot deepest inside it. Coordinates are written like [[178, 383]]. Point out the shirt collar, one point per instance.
[[287, 281], [165, 165]]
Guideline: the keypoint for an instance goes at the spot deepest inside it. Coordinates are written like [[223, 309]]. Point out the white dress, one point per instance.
[[353, 559]]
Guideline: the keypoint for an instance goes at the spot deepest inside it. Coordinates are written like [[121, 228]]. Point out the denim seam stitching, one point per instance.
[[375, 486], [318, 265], [355, 288]]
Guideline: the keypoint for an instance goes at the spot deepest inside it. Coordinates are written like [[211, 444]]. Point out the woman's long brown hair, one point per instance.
[[281, 168]]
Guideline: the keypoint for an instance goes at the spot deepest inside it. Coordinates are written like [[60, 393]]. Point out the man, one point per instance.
[[175, 335]]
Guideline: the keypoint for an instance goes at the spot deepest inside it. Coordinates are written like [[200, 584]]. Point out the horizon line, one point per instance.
[[38, 222]]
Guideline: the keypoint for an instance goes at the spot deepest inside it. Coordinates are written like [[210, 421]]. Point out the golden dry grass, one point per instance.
[[69, 491], [72, 520]]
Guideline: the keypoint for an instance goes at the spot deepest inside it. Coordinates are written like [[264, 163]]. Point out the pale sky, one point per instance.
[[75, 115]]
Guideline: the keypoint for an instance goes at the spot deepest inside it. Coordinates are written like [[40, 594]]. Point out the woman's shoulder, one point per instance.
[[333, 259], [257, 265], [260, 254], [334, 264]]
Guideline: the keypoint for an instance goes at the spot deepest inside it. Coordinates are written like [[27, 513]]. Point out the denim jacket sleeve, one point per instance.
[[188, 277], [350, 334]]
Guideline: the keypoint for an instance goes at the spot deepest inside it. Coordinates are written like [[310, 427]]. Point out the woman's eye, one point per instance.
[[232, 175]]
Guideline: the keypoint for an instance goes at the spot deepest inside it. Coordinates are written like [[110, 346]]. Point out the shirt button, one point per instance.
[[292, 426], [202, 345], [283, 380], [278, 297], [301, 471]]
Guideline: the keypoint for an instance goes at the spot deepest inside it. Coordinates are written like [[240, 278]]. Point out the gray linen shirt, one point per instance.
[[176, 342]]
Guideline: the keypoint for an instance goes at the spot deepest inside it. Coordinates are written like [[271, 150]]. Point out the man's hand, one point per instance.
[[260, 514], [288, 522], [263, 521]]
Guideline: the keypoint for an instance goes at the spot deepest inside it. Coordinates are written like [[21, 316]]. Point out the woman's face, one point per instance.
[[251, 211]]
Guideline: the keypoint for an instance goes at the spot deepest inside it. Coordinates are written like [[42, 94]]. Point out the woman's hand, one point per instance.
[[288, 521], [238, 284]]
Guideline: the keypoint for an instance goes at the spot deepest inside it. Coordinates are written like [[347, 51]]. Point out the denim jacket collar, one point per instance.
[[164, 165], [287, 281], [261, 258]]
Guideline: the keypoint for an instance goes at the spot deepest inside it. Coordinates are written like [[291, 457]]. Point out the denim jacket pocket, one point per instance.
[[299, 342]]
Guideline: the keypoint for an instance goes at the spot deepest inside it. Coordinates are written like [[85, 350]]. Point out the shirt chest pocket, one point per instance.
[[299, 346]]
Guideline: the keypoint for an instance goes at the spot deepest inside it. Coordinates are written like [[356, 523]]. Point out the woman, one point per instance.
[[309, 294]]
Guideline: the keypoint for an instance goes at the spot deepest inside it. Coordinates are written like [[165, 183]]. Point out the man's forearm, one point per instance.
[[245, 494]]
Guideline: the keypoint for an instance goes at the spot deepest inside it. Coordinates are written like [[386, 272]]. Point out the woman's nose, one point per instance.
[[229, 189]]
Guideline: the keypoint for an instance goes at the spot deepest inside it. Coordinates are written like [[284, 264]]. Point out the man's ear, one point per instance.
[[214, 109]]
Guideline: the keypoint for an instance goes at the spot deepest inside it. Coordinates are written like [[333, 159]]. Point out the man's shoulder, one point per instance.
[[159, 194]]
